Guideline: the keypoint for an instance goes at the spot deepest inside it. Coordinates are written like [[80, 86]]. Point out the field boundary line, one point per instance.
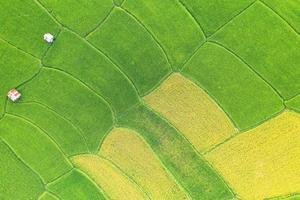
[[293, 97], [232, 18], [216, 31], [114, 63], [50, 46], [282, 197], [40, 178], [104, 137], [100, 23], [89, 44], [193, 17], [297, 112], [244, 131], [56, 113], [150, 33], [85, 85], [114, 166], [250, 67], [55, 195], [4, 109], [192, 56], [53, 17], [19, 49], [44, 132], [104, 193], [59, 177], [280, 16], [163, 79], [40, 67], [51, 193], [136, 185], [31, 78]]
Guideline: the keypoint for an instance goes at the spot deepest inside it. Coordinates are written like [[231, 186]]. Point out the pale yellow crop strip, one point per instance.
[[108, 177], [192, 111], [126, 149], [262, 162]]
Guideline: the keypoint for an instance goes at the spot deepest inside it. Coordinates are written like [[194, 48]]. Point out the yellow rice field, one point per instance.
[[263, 162], [192, 111], [114, 183]]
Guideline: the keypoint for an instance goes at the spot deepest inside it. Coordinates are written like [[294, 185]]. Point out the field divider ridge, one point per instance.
[[193, 17], [150, 33], [221, 27], [126, 175], [243, 131], [18, 48], [45, 133], [99, 24], [250, 67], [82, 83], [42, 181], [64, 118]]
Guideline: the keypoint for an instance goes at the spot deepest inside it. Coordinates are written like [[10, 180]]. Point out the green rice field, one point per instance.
[[150, 100]]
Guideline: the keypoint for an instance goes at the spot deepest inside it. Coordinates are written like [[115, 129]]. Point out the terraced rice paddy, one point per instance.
[[162, 100]]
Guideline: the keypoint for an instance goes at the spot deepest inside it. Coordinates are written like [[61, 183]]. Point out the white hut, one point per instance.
[[14, 95], [48, 37]]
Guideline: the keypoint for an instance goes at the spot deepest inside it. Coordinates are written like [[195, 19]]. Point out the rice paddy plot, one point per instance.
[[192, 111], [262, 162]]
